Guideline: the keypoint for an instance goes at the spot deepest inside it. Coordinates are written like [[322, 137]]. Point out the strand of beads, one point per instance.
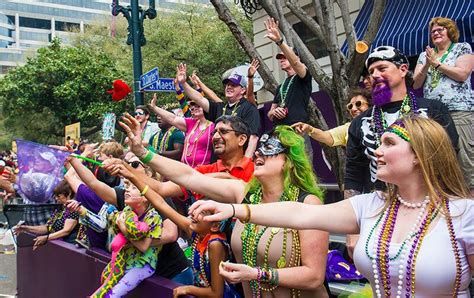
[[410, 267], [403, 255], [202, 271], [413, 205], [452, 236], [380, 263]]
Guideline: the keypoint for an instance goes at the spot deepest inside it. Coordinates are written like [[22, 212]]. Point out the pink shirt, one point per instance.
[[198, 143]]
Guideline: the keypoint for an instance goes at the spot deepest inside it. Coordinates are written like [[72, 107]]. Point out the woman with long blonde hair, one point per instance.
[[417, 239]]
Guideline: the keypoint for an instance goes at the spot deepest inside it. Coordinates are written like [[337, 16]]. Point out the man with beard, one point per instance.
[[168, 141], [237, 105], [392, 99]]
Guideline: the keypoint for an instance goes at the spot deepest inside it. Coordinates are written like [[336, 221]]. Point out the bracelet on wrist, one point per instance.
[[250, 77], [248, 213], [144, 191], [437, 66], [233, 210], [147, 158], [279, 42]]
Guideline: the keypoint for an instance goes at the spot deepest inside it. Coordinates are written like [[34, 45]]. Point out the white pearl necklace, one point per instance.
[[403, 255], [413, 205]]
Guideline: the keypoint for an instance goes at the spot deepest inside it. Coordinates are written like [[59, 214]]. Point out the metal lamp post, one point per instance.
[[135, 16]]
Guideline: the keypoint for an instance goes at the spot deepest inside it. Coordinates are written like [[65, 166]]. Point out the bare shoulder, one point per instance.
[[313, 200]]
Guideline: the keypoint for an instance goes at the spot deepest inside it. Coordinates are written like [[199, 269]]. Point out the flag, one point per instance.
[[41, 169]]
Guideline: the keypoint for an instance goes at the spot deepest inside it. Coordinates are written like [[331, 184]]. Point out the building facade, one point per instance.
[[28, 25]]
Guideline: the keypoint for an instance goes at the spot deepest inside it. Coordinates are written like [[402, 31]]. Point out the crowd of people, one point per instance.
[[257, 224]]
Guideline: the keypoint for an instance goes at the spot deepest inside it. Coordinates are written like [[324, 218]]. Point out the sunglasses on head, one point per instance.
[[357, 104], [138, 113], [134, 164]]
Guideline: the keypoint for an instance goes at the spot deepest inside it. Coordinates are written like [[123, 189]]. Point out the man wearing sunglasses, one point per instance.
[[337, 136], [148, 128]]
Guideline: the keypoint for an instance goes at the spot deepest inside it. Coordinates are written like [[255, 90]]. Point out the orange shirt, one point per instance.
[[243, 170]]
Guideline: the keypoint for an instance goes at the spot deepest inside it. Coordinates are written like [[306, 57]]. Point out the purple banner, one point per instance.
[[41, 169]]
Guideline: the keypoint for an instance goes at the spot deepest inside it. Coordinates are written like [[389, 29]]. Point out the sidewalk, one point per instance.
[[8, 280]]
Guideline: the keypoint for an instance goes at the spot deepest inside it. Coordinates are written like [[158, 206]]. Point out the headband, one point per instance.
[[399, 129]]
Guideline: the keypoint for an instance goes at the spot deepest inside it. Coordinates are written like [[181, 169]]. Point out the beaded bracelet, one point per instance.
[[144, 191], [248, 213], [274, 277], [148, 157]]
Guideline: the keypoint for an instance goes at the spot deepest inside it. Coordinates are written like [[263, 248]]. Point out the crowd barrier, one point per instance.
[[60, 269]]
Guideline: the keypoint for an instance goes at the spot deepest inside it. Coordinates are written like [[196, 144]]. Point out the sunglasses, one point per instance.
[[134, 164], [224, 131], [357, 104], [138, 113], [439, 31]]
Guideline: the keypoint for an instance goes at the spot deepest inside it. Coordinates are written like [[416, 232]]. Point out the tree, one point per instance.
[[192, 35], [60, 86], [345, 69]]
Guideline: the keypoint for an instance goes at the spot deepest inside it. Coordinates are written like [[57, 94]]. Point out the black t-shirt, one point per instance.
[[361, 163], [171, 258], [296, 100], [245, 110]]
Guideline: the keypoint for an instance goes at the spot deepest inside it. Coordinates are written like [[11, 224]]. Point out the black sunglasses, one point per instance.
[[224, 131], [134, 164], [357, 104]]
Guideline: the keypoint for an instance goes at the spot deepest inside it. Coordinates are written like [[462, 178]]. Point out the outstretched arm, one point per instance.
[[273, 33], [222, 189], [334, 218], [166, 116], [322, 136], [207, 91], [250, 74], [190, 91]]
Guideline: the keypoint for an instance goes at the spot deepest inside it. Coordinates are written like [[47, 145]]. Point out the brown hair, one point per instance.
[[111, 148], [437, 160], [353, 92], [450, 25], [63, 188]]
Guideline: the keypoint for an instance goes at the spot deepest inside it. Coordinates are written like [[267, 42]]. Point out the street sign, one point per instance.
[[149, 78], [163, 85]]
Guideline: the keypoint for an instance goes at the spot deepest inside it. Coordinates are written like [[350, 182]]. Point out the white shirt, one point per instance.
[[435, 263]]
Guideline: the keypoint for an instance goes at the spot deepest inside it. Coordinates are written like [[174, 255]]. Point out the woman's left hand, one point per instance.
[[121, 223], [235, 273], [180, 291], [40, 240], [219, 211]]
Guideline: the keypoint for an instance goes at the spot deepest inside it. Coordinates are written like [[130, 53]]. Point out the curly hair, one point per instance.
[[450, 25], [297, 169]]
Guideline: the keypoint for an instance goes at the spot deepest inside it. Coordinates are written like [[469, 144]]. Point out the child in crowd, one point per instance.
[[210, 247], [136, 261]]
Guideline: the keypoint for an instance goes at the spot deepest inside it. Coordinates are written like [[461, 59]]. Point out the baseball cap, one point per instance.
[[280, 55], [386, 53], [236, 79]]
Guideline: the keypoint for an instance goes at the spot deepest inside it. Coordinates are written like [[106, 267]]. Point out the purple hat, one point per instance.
[[236, 79]]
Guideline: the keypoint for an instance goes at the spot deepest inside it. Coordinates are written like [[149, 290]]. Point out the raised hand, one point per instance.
[[253, 67], [273, 33], [302, 128], [195, 80], [181, 73], [235, 273], [133, 131], [218, 211], [431, 56], [152, 104]]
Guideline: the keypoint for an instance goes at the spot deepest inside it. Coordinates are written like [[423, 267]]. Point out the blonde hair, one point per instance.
[[450, 25], [111, 148], [437, 160]]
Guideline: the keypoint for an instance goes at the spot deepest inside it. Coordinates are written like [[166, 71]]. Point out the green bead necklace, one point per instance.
[[284, 89], [435, 73]]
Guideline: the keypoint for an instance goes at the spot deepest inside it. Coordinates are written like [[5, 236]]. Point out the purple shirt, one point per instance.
[[93, 202]]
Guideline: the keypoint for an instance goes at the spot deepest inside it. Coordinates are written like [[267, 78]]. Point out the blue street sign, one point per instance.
[[163, 85], [149, 78]]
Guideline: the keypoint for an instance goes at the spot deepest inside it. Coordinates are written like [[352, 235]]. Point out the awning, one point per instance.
[[405, 22]]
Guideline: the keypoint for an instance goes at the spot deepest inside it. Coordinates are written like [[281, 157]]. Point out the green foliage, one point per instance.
[[68, 84], [60, 86]]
